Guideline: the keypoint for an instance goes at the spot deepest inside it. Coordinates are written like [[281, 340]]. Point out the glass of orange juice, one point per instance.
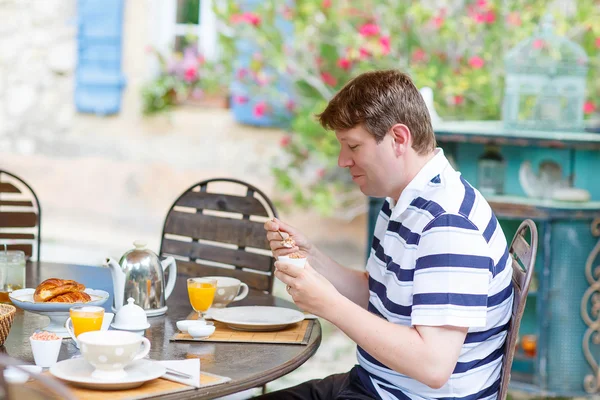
[[85, 319], [202, 293]]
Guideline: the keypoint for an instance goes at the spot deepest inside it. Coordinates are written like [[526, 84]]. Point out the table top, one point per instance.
[[248, 365]]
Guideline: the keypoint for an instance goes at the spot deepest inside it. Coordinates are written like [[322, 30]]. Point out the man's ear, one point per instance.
[[401, 138]]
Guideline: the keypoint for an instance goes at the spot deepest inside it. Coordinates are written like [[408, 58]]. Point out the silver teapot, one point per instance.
[[140, 274]]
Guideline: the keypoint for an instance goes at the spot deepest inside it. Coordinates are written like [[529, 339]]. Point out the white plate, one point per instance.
[[78, 372], [23, 298], [257, 318]]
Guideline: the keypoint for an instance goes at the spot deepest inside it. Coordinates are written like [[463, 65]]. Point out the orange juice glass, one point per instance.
[[86, 319], [202, 293]]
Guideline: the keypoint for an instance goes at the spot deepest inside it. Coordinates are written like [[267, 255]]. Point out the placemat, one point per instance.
[[155, 387], [294, 334]]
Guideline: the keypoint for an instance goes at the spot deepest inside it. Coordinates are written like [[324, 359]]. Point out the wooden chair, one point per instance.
[[212, 233], [20, 216], [523, 254]]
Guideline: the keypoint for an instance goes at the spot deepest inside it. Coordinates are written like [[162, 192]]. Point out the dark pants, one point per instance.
[[346, 386]]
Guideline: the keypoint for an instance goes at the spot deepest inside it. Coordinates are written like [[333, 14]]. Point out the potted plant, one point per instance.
[[184, 77]]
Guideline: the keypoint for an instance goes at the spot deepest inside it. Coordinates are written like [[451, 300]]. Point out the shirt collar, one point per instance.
[[434, 167]]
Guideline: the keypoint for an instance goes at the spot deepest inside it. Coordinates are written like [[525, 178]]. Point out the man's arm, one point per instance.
[[427, 354], [351, 283]]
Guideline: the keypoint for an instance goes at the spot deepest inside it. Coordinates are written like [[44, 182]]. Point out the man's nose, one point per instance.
[[344, 161]]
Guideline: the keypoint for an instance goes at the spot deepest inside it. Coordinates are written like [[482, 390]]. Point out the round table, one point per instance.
[[248, 365]]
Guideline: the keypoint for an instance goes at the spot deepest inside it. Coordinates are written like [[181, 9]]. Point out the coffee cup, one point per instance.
[[110, 351], [228, 290]]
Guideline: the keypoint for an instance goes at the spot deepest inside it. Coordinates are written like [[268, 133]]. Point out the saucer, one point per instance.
[[78, 372]]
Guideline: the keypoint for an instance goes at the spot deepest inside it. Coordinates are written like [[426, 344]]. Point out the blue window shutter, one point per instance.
[[99, 80]]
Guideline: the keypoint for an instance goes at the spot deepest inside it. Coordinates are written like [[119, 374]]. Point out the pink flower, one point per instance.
[[490, 17], [241, 73], [458, 100], [236, 18], [538, 43], [476, 62], [288, 13], [384, 41], [344, 64], [239, 99], [252, 18], [328, 79], [290, 105], [369, 30], [321, 173], [598, 42], [190, 74], [438, 21], [479, 18], [261, 79], [481, 3], [589, 107], [513, 19], [419, 55], [248, 17], [326, 4], [285, 141], [364, 53], [260, 109]]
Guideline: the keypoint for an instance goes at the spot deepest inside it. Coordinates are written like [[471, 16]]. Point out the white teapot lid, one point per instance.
[[131, 317]]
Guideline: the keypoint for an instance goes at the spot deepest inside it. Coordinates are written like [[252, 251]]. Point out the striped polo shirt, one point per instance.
[[439, 257]]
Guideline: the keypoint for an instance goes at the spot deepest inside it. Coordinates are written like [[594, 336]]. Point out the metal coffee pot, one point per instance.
[[140, 274]]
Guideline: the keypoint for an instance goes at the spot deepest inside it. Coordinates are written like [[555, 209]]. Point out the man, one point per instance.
[[431, 312]]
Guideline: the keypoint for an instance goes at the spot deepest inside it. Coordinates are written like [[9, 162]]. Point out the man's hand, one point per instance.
[[303, 246], [311, 291]]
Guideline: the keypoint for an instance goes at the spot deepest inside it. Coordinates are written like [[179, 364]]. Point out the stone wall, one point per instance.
[[37, 58]]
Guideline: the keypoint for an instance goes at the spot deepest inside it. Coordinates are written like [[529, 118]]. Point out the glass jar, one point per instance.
[[12, 273], [490, 171]]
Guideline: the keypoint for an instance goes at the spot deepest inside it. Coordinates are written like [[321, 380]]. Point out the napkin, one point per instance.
[[190, 366]]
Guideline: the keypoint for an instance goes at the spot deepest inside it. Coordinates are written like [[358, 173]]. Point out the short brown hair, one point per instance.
[[378, 100]]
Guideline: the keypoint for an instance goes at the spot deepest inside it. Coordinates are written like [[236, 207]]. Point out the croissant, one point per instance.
[[71, 297], [53, 287]]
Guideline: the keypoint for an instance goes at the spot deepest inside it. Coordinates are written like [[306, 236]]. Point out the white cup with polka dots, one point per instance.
[[228, 290], [110, 351]]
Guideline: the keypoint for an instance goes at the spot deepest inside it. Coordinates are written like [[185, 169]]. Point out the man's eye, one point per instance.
[[353, 147]]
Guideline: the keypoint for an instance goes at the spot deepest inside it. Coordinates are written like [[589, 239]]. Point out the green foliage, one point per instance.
[[456, 48]]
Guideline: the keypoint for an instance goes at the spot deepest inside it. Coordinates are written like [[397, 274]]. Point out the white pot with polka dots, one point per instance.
[[110, 351]]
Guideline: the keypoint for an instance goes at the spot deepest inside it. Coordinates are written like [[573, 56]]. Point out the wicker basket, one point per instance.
[[7, 314]]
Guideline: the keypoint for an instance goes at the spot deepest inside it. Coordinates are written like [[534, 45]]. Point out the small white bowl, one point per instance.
[[201, 331], [45, 352], [16, 376], [297, 262], [184, 325]]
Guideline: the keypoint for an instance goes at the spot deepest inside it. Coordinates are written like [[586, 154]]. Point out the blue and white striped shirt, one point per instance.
[[439, 257]]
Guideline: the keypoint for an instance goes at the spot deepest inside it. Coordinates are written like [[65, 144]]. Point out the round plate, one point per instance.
[[23, 298], [257, 318], [78, 372]]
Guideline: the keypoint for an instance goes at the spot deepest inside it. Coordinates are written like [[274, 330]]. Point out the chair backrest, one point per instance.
[[211, 231], [523, 254], [20, 216]]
